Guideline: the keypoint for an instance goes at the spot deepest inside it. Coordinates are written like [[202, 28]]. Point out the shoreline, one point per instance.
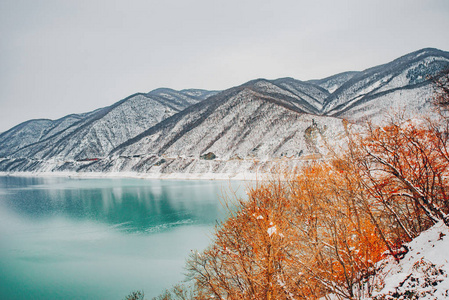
[[146, 176]]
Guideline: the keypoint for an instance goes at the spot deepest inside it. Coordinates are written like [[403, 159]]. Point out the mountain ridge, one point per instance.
[[166, 130], [388, 72]]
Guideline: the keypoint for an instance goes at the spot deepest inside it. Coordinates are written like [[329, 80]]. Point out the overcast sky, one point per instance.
[[60, 56]]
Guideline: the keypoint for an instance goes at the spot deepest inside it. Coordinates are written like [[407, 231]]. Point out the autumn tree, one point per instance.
[[301, 238], [252, 250], [339, 243], [178, 292], [441, 86], [321, 231], [407, 167]]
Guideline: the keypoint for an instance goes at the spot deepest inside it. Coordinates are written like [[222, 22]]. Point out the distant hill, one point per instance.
[[248, 129], [96, 133], [400, 84]]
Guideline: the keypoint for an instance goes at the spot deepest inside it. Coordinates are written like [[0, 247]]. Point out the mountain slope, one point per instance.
[[21, 135], [333, 82], [304, 96], [244, 128], [401, 84], [33, 131], [248, 128], [421, 274], [102, 130]]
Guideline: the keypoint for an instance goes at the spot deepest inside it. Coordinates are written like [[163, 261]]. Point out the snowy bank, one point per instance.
[[173, 176], [421, 274]]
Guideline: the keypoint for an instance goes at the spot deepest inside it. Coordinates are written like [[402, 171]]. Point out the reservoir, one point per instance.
[[72, 238]]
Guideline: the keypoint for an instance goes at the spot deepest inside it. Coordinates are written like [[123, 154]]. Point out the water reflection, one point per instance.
[[127, 204], [64, 238]]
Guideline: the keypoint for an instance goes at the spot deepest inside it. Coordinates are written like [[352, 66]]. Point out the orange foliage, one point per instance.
[[322, 231], [251, 252], [343, 242], [407, 167], [303, 238]]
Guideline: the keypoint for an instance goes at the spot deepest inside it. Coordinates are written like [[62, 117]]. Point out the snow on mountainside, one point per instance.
[[372, 87], [34, 131], [333, 82], [61, 125], [297, 95], [100, 131], [314, 95], [21, 135], [250, 128], [240, 126]]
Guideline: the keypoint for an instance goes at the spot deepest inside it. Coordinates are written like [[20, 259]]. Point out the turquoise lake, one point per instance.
[[70, 238]]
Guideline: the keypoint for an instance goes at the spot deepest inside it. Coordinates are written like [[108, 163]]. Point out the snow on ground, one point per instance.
[[244, 176], [421, 274]]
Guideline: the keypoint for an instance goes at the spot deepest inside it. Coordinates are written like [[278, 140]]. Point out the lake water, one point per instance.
[[64, 238]]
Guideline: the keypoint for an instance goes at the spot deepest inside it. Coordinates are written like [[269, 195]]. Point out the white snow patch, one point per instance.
[[422, 273], [271, 230]]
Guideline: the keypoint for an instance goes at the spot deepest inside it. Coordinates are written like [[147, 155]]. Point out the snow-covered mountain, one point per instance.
[[33, 131], [251, 128], [96, 133], [333, 82], [399, 85], [255, 125]]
